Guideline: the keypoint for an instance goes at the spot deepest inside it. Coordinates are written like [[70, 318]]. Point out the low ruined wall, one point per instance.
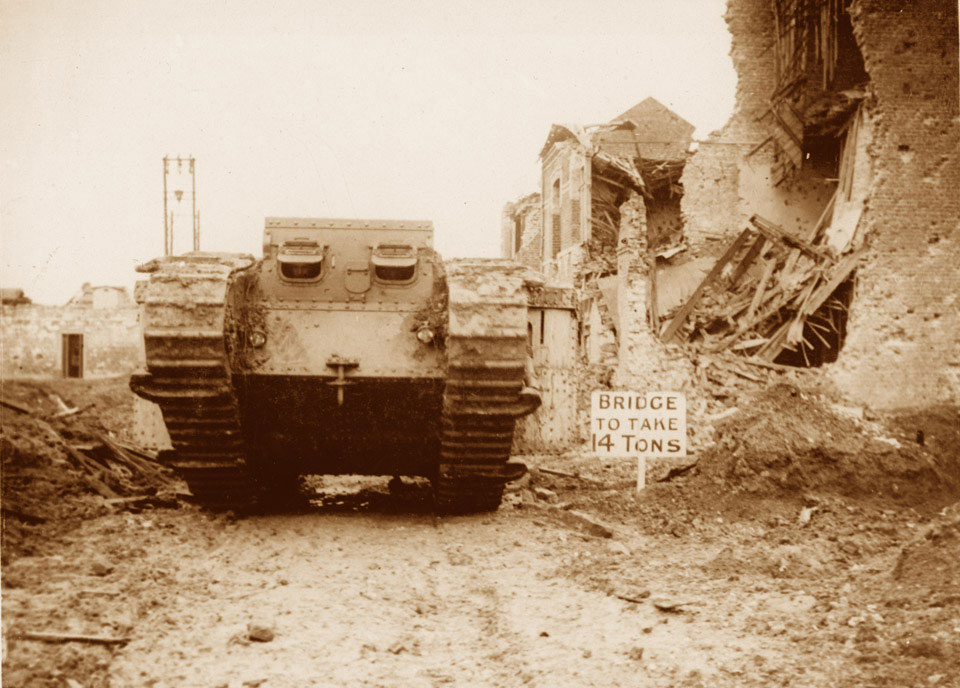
[[31, 340], [903, 347]]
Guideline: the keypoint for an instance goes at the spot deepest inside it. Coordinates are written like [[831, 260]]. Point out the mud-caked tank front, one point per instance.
[[335, 357]]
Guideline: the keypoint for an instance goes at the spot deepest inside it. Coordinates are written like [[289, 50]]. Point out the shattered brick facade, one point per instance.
[[521, 231], [904, 343], [900, 200]]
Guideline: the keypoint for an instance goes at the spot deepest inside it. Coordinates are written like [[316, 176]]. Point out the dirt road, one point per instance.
[[778, 561], [372, 599], [376, 591]]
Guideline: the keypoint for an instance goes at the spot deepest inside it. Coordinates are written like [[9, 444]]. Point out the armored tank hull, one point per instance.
[[349, 348]]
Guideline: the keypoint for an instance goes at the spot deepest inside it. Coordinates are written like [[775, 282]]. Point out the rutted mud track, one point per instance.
[[522, 597], [380, 600], [748, 571]]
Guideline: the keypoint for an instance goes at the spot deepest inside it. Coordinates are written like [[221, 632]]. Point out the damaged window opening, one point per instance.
[[555, 237], [824, 331], [517, 234]]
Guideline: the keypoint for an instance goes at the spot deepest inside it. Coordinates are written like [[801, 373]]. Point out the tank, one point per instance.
[[350, 347]]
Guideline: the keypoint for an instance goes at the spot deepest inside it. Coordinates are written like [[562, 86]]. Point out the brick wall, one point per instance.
[[711, 202], [903, 347], [903, 342], [31, 340], [526, 211]]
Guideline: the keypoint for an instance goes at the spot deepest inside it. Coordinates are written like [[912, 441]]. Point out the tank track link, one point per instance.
[[486, 349], [184, 311]]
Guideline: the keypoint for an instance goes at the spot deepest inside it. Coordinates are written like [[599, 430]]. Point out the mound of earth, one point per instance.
[[785, 440], [932, 561]]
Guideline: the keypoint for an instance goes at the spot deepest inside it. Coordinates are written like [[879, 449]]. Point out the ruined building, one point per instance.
[[818, 228], [95, 334], [596, 179], [845, 136]]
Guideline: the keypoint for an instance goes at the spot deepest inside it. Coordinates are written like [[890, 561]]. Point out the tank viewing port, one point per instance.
[[301, 260]]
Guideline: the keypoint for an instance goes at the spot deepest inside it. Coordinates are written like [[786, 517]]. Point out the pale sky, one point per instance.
[[419, 110]]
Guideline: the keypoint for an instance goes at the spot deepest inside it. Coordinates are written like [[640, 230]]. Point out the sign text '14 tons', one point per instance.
[[634, 424]]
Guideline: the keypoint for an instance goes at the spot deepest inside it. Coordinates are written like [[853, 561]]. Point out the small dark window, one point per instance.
[[301, 270], [395, 273]]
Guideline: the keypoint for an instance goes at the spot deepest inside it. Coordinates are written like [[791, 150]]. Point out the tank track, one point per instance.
[[486, 349], [184, 313]]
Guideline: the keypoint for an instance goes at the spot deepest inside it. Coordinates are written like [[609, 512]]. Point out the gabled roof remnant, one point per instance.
[[651, 107], [588, 139]]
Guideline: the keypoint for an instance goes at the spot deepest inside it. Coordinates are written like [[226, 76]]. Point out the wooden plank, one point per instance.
[[776, 233], [795, 333], [758, 295], [840, 273], [811, 236], [94, 479], [811, 304], [714, 273], [756, 249], [775, 304], [16, 407], [126, 458], [772, 349], [652, 299], [71, 638]]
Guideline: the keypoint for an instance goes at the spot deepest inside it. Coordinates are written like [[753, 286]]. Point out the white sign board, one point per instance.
[[631, 424]]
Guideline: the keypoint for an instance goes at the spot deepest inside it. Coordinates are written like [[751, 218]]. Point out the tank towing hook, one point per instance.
[[341, 364]]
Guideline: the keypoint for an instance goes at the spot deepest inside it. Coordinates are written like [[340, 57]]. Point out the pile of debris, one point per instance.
[[59, 461], [771, 296], [784, 439]]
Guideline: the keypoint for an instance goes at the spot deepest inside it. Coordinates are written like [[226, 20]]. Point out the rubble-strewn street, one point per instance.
[[683, 413], [751, 568]]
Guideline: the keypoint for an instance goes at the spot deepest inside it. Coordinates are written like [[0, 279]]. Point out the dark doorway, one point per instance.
[[72, 355]]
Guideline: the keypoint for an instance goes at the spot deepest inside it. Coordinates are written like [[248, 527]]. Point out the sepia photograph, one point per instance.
[[438, 343]]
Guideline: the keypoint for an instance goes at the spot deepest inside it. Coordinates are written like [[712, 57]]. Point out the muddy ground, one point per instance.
[[810, 545]]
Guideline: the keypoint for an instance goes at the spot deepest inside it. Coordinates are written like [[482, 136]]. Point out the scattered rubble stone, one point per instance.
[[100, 566], [260, 632], [545, 495]]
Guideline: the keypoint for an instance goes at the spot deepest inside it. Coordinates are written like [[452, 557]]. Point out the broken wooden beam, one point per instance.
[[761, 290], [563, 474], [811, 236], [95, 472], [16, 407], [124, 457], [755, 250], [777, 233], [714, 273], [71, 638]]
